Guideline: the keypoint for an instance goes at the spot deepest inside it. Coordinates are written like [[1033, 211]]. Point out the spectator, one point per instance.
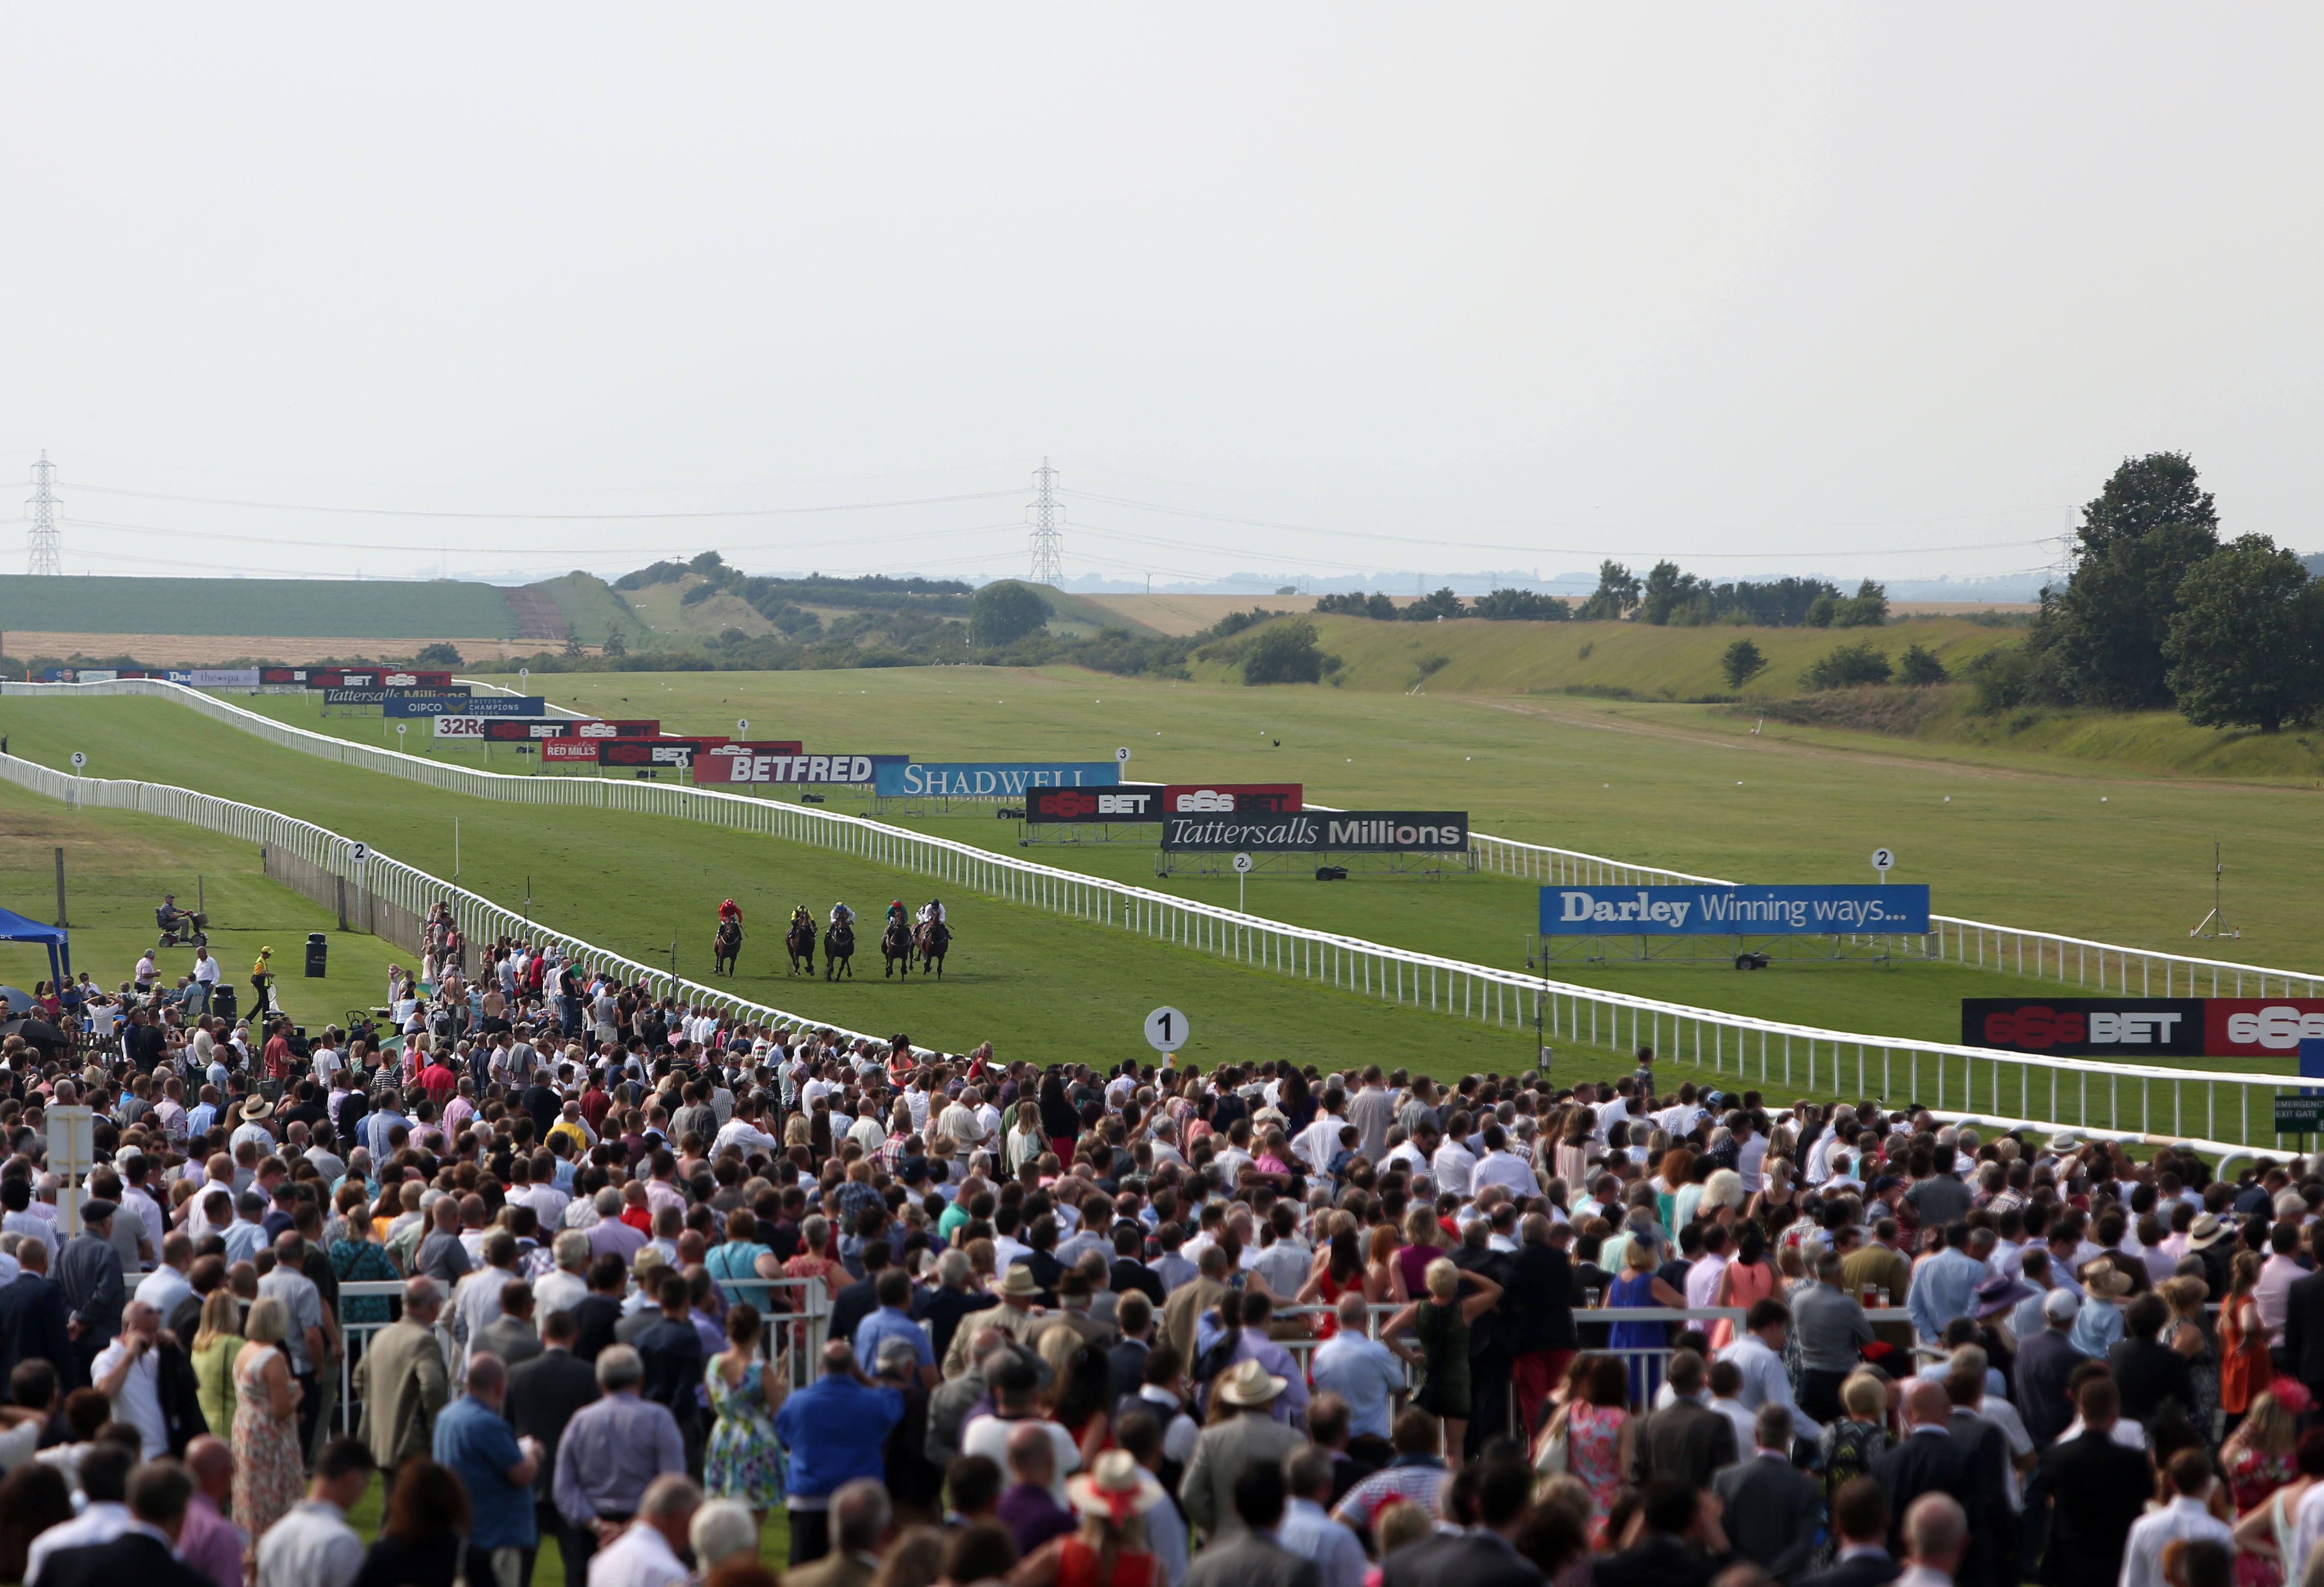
[[1248, 1554], [861, 1521], [614, 1449], [2097, 1490], [420, 1541], [645, 1553], [1308, 1529], [544, 1394], [835, 1429], [1773, 1514], [475, 1441], [313, 1546], [143, 1549], [1245, 1434], [401, 1381]]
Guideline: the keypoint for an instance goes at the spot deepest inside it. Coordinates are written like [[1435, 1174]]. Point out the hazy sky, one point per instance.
[[1867, 288]]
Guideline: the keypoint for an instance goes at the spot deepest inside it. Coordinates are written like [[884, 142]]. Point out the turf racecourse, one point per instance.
[[2016, 841], [1035, 984]]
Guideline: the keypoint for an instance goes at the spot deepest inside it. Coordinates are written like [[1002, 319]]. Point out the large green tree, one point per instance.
[[1005, 612], [1617, 594], [2246, 646], [2100, 638]]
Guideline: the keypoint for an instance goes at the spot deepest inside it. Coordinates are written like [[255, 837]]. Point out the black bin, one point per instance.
[[318, 954], [222, 1000]]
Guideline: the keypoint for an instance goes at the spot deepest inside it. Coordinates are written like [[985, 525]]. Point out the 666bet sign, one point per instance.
[[2135, 1028]]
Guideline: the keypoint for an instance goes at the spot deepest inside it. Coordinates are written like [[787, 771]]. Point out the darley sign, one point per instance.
[[1709, 910]]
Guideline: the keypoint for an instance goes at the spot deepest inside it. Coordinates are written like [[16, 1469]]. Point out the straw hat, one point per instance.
[[1019, 1281], [1115, 1488], [2103, 1278], [2205, 1233], [256, 1108], [1250, 1384]]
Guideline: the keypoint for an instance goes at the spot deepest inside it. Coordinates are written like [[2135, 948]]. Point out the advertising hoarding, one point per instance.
[[1734, 911], [2119, 1026], [570, 751], [989, 780], [404, 704], [1127, 801], [1221, 798], [753, 764], [647, 753], [1345, 832]]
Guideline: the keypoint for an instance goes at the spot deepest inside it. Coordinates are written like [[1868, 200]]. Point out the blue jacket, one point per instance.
[[835, 1430]]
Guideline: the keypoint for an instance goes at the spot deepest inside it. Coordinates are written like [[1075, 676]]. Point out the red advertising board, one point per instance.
[[2259, 1028], [639, 728], [649, 753], [570, 750], [1204, 798], [501, 730]]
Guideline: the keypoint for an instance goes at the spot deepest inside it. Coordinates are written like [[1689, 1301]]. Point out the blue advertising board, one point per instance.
[[1004, 779], [1712, 910], [403, 704]]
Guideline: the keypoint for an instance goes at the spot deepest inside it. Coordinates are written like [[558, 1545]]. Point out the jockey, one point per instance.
[[729, 913], [895, 912], [840, 915], [932, 913]]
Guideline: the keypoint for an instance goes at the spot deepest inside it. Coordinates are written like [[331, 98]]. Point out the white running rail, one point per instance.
[[2162, 1103], [395, 882]]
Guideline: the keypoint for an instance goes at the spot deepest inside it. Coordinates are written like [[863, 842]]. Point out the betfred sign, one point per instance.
[[1227, 798], [570, 751], [1123, 802], [2119, 1028], [748, 765]]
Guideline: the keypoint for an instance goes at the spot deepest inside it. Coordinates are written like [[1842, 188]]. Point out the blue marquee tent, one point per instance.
[[15, 927]]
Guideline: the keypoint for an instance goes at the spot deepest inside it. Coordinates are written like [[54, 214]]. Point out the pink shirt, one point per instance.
[[211, 1543]]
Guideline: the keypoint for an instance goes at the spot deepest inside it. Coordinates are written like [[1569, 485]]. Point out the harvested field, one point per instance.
[[176, 649]]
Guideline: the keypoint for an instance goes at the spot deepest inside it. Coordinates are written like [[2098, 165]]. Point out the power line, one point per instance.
[[43, 541], [662, 547], [548, 517]]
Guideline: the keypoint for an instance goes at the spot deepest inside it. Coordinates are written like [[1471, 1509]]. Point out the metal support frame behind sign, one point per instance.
[[72, 1153]]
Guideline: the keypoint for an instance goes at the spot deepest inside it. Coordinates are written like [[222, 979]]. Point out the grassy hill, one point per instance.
[[1622, 661], [352, 609]]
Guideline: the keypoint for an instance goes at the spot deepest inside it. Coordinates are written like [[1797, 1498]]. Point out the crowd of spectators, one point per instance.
[[559, 1262]]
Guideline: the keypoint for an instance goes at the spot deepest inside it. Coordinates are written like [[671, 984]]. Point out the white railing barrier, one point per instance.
[[404, 886], [1773, 1052]]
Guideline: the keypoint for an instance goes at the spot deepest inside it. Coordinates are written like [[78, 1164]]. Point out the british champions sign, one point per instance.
[[1900, 908]]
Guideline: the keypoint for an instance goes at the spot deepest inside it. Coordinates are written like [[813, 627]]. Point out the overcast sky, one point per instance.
[[1867, 288]]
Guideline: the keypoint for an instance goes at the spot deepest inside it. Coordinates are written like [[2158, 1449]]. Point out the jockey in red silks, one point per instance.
[[729, 910]]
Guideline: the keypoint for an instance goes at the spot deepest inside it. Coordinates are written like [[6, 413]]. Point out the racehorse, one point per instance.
[[799, 941], [839, 950], [933, 939], [896, 943], [728, 947]]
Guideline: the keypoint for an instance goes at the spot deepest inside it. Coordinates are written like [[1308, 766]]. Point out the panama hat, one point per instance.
[[1018, 1280], [2063, 1142], [256, 1108], [2102, 1278], [1250, 1384], [1115, 1488], [2205, 1233]]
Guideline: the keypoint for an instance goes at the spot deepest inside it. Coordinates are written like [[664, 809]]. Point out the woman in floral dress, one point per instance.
[[2257, 1459], [741, 1461], [269, 1475], [1597, 1435]]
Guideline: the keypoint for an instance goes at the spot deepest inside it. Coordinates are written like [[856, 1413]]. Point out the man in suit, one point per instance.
[[159, 1492], [1484, 1556], [1129, 1272], [675, 1362], [1251, 1556], [1992, 1543], [1678, 1547], [1249, 1438], [1928, 1459], [543, 1395], [2304, 1320], [1859, 1515], [861, 1521], [401, 1381], [1686, 1440], [1885, 1266], [2097, 1491], [2045, 1364], [1774, 1514], [1192, 1299], [856, 1301], [1125, 1361], [32, 1319], [510, 1335], [89, 1272], [2153, 1377]]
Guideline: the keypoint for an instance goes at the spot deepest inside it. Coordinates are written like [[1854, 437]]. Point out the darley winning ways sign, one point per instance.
[[1707, 910]]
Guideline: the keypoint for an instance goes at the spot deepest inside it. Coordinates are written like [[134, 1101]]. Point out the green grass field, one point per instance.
[[1036, 984], [358, 609], [118, 866], [1615, 777]]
